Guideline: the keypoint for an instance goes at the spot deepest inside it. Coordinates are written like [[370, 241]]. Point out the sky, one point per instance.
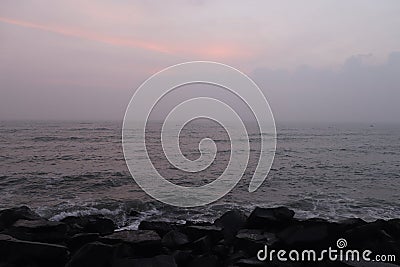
[[315, 61]]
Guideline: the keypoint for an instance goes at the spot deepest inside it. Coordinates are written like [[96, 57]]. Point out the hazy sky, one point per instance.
[[315, 60]]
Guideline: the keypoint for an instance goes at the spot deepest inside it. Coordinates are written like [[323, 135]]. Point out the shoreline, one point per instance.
[[234, 239]]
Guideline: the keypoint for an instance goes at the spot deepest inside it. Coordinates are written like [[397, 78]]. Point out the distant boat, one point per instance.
[[371, 125]]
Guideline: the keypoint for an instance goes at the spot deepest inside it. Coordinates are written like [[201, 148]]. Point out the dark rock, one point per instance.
[[99, 224], [145, 243], [38, 230], [175, 239], [182, 257], [392, 227], [221, 250], [236, 256], [205, 260], [364, 264], [90, 224], [196, 231], [92, 254], [373, 232], [75, 224], [231, 222], [250, 262], [136, 237], [197, 223], [202, 245], [270, 218], [24, 253], [161, 260], [334, 230], [25, 240], [10, 216], [125, 250], [333, 264], [351, 223], [303, 236], [252, 240], [81, 239], [160, 227]]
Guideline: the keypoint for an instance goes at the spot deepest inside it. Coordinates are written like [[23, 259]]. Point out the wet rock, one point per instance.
[[90, 224], [23, 253], [161, 260], [231, 222], [92, 254], [9, 216], [38, 230], [270, 218], [175, 239], [160, 227]]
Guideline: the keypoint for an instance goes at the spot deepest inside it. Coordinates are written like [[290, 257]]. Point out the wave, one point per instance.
[[56, 138]]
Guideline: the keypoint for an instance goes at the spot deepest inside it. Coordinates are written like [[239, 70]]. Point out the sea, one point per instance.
[[326, 170]]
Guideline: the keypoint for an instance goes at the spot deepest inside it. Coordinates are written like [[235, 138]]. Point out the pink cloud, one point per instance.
[[88, 35], [220, 51]]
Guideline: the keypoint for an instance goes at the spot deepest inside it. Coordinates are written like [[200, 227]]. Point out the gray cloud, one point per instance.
[[355, 92]]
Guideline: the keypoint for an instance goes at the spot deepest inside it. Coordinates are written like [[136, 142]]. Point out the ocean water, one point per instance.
[[331, 171]]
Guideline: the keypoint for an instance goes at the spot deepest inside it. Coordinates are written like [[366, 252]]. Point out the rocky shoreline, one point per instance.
[[235, 239]]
